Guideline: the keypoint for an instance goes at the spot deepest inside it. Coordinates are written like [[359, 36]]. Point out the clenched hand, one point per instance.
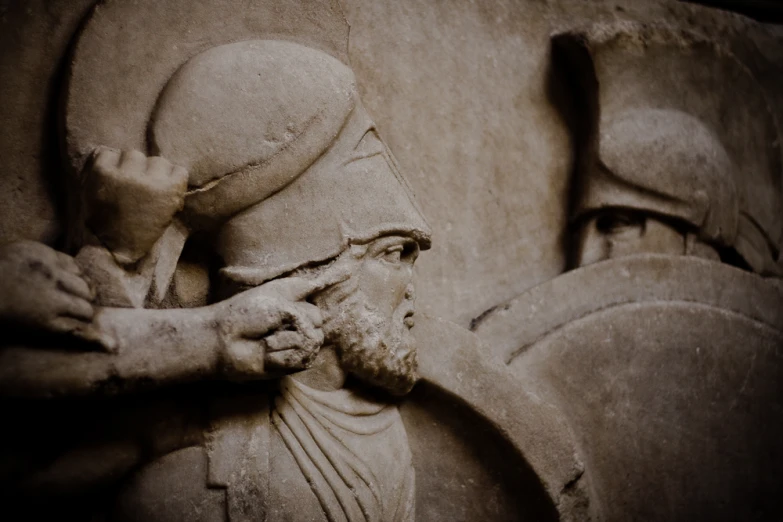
[[130, 199], [271, 328], [42, 289]]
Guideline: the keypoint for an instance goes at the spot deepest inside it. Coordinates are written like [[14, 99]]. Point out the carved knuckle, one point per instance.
[[160, 160], [133, 154], [310, 344]]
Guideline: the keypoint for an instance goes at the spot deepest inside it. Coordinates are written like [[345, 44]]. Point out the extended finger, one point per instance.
[[68, 305], [339, 293], [339, 272], [298, 288], [73, 284]]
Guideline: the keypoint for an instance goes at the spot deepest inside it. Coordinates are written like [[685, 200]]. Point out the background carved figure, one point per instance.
[[675, 245], [350, 450], [675, 165]]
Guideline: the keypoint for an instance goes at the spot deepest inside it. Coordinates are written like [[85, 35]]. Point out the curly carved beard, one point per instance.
[[374, 349]]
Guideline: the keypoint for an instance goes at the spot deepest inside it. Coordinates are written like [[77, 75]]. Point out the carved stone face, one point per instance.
[[661, 183], [368, 317], [385, 274]]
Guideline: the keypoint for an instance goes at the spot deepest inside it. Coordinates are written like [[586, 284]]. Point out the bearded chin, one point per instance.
[[378, 351]]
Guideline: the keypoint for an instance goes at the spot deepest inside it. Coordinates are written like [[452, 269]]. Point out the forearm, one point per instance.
[[155, 347]]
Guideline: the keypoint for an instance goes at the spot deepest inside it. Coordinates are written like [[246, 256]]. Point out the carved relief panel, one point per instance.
[[223, 262]]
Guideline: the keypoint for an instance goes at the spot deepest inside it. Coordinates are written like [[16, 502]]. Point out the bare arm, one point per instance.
[[262, 332], [155, 347]]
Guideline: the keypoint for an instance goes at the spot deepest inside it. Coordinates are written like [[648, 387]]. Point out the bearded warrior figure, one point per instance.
[[314, 234]]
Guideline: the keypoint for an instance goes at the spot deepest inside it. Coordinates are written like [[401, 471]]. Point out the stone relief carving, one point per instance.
[[228, 331], [669, 170], [664, 166], [675, 216], [234, 328], [292, 151]]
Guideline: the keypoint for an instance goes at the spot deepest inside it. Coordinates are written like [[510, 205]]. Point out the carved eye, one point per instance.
[[616, 220], [393, 254], [396, 251]]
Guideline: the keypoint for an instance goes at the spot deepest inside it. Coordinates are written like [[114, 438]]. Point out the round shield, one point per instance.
[[669, 371]]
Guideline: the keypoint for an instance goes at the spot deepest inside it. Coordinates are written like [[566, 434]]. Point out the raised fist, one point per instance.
[[271, 329], [42, 289], [131, 199]]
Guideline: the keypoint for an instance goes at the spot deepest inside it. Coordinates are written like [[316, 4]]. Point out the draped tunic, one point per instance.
[[312, 455]]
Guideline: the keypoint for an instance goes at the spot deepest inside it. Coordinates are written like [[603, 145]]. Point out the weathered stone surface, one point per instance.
[[209, 222], [402, 71], [668, 370]]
